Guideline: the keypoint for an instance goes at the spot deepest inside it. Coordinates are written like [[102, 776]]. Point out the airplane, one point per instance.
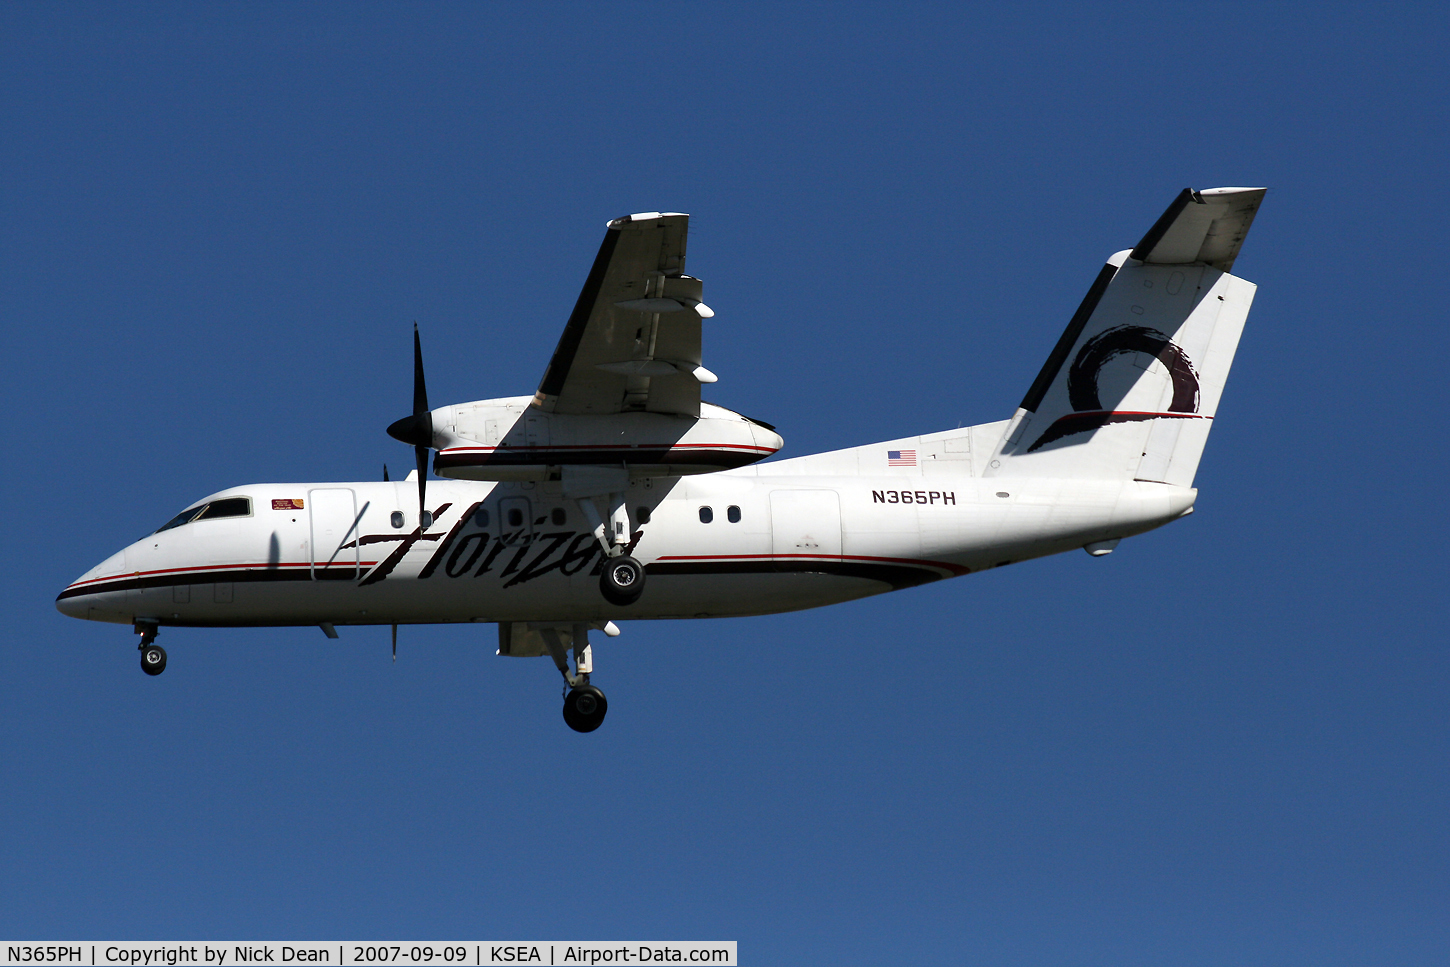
[[615, 492]]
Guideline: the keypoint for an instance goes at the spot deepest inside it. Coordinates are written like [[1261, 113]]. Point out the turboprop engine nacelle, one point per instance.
[[510, 439]]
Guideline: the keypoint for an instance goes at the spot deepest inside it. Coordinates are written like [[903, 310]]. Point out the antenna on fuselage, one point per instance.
[[395, 644], [385, 473]]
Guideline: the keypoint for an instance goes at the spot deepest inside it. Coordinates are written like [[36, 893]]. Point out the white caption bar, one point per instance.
[[555, 953]]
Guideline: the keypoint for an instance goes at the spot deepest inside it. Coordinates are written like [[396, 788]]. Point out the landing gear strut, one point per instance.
[[622, 580], [584, 705], [153, 656]]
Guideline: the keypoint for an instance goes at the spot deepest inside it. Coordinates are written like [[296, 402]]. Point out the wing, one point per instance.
[[633, 340]]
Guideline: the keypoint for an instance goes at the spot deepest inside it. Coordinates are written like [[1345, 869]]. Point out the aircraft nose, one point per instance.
[[76, 600], [73, 606]]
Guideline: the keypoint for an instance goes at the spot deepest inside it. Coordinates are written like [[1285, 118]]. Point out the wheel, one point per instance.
[[584, 708], [153, 659], [622, 581]]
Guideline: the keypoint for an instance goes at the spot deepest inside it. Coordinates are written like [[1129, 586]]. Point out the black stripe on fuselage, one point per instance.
[[238, 576], [897, 575]]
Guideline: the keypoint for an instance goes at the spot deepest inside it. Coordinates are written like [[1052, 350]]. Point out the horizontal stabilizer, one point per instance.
[[1201, 226]]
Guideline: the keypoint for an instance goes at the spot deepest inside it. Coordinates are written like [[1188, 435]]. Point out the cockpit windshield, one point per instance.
[[226, 507]]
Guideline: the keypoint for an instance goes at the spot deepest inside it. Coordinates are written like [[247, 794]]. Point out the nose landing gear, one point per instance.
[[153, 659], [153, 656]]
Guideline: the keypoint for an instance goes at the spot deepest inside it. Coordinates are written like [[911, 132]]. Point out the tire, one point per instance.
[[622, 580], [153, 659], [584, 708]]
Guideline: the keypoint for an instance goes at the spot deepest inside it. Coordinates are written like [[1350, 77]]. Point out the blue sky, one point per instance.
[[1224, 744]]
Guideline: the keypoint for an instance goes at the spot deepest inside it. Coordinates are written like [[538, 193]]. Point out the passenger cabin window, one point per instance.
[[706, 515], [733, 514], [396, 519], [227, 507], [557, 516], [480, 517], [642, 514], [516, 517]]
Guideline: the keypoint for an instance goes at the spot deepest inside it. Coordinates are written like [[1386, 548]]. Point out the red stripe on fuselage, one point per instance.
[[133, 575]]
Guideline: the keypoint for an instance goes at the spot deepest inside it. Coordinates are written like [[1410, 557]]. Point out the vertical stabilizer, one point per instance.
[[1132, 387]]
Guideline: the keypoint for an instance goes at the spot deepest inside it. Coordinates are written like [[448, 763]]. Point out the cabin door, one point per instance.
[[334, 527]]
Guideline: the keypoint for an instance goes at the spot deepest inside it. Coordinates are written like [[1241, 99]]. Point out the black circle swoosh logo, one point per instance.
[[1082, 381]]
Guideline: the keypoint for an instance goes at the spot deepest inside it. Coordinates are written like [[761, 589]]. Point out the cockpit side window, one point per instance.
[[230, 507], [227, 507], [185, 517]]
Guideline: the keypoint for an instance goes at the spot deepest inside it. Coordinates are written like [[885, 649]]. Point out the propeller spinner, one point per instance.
[[418, 428]]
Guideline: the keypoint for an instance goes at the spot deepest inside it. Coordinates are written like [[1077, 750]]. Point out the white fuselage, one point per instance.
[[780, 537]]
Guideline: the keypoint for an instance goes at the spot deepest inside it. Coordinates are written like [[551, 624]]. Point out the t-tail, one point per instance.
[[1131, 389]]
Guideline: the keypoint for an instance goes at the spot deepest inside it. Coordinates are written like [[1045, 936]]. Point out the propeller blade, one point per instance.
[[418, 428], [421, 453], [423, 424], [420, 388]]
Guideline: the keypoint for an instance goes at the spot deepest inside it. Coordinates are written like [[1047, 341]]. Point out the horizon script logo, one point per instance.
[[521, 555]]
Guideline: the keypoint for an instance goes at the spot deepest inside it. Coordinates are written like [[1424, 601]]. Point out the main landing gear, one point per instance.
[[584, 708], [584, 705], [621, 582], [153, 656]]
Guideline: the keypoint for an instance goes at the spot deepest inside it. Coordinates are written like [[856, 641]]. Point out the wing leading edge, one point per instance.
[[632, 342]]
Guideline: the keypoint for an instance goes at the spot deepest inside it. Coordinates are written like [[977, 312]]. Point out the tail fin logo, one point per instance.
[[1082, 382]]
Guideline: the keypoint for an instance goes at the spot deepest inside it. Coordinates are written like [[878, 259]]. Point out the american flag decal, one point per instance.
[[901, 458]]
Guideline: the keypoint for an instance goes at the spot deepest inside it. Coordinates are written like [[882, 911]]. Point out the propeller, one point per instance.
[[418, 428]]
